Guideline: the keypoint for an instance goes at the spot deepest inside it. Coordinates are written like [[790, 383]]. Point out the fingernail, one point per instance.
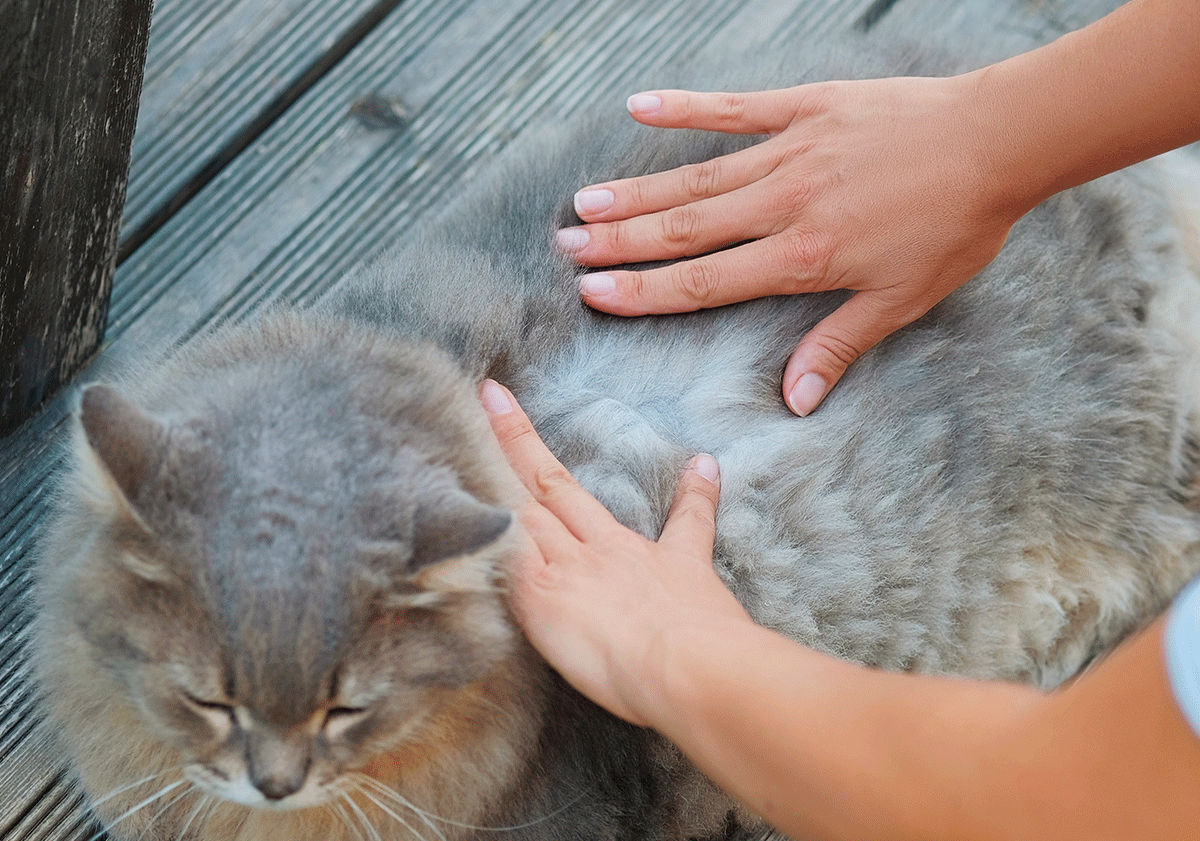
[[706, 466], [643, 103], [597, 285], [593, 201], [494, 398], [807, 393], [571, 239]]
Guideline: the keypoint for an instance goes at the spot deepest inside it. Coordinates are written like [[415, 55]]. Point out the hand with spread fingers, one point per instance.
[[600, 602], [897, 189], [860, 186]]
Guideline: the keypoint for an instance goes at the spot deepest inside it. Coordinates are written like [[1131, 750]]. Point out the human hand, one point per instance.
[[601, 602], [878, 186]]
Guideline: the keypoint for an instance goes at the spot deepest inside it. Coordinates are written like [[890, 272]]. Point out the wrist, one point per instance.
[[1008, 175], [679, 670], [1094, 101]]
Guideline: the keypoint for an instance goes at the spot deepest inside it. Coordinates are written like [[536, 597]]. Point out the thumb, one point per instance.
[[691, 525], [835, 343]]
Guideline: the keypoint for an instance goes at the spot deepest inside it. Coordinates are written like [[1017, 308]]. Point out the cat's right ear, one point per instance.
[[127, 448]]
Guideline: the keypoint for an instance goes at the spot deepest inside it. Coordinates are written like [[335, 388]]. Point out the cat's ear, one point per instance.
[[457, 545], [127, 442], [126, 448], [447, 542], [455, 524]]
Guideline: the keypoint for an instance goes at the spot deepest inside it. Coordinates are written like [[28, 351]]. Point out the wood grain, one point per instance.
[[72, 76]]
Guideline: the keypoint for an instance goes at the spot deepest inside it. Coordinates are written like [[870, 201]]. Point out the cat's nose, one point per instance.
[[277, 761], [278, 787]]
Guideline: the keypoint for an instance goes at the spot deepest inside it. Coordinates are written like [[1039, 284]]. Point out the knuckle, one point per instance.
[[797, 192], [685, 109], [907, 312], [700, 518], [513, 429], [634, 286], [842, 347], [612, 236], [730, 108], [702, 180], [807, 254], [909, 308], [634, 195], [680, 225], [697, 281], [551, 480], [896, 307], [817, 98]]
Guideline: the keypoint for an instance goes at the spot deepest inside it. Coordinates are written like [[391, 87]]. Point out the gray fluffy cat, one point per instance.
[[272, 606]]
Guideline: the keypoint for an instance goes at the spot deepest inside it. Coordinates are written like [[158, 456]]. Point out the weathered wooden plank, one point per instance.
[[26, 776], [72, 75], [217, 73], [56, 815], [381, 199]]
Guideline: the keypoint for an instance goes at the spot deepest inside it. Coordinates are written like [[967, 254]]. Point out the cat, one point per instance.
[[272, 605]]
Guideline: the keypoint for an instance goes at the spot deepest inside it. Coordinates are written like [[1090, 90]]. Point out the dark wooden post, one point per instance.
[[70, 78]]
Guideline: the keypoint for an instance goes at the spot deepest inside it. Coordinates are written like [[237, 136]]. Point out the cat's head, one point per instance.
[[292, 565]]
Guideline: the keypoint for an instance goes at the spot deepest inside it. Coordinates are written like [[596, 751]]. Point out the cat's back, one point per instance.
[[1000, 489]]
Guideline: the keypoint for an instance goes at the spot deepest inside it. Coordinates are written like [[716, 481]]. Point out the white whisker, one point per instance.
[[340, 812], [163, 792], [362, 781], [237, 830], [488, 702], [333, 811], [189, 790], [200, 804], [347, 817], [384, 808], [404, 801], [362, 816], [134, 784]]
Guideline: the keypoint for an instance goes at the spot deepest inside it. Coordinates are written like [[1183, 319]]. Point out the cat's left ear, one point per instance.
[[455, 524], [449, 542]]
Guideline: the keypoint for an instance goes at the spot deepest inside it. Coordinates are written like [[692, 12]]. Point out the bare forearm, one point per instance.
[[1119, 91], [827, 750]]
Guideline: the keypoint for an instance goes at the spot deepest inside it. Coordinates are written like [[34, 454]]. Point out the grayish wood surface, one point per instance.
[[216, 73], [320, 188], [72, 75]]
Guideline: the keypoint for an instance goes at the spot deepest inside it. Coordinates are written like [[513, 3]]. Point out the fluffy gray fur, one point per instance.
[[276, 572]]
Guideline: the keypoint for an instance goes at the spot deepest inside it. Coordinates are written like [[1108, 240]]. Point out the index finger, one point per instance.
[[754, 112], [629, 197], [781, 264], [543, 475]]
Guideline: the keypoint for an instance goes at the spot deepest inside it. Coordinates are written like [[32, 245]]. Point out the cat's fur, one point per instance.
[[309, 512]]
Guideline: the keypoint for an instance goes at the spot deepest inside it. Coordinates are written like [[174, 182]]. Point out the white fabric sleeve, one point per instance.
[[1181, 646]]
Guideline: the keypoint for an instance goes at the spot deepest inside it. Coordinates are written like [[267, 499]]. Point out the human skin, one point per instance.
[[949, 165], [821, 748]]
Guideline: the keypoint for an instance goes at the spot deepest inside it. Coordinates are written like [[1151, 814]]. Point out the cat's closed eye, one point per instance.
[[219, 714], [208, 706], [340, 719]]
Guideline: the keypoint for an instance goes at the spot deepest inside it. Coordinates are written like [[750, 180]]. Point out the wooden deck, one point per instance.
[[281, 142]]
